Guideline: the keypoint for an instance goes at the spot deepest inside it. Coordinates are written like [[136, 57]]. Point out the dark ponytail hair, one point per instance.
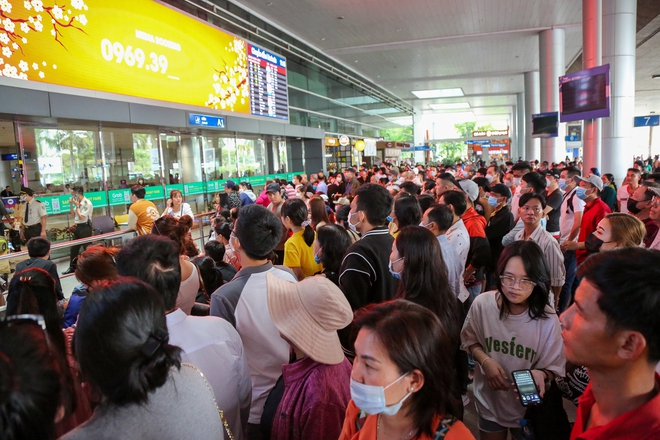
[[38, 297], [610, 178], [296, 210], [121, 342]]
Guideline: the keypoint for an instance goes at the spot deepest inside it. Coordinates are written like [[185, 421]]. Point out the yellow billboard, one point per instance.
[[138, 48]]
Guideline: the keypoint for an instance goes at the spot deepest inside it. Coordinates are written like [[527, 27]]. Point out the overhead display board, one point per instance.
[[139, 48]]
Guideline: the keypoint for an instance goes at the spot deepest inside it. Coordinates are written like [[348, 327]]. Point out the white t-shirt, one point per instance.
[[516, 343], [515, 199], [567, 218], [622, 195], [459, 238]]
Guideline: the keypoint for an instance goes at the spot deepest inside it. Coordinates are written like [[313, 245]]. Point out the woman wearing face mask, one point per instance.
[[222, 234], [416, 260], [608, 194], [616, 230], [331, 244], [406, 212], [512, 328], [402, 376]]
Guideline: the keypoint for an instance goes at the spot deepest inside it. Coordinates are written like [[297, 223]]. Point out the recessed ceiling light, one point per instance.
[[323, 39], [341, 17], [655, 77], [438, 93], [398, 30], [356, 61], [450, 106], [269, 4]]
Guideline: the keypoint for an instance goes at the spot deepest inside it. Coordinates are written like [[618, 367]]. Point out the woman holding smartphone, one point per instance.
[[176, 207], [508, 329]]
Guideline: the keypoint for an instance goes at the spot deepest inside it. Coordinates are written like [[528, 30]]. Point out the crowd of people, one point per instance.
[[355, 305]]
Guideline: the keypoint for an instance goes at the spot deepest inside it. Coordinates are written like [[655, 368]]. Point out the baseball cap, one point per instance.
[[501, 189], [308, 314], [470, 188], [554, 172], [591, 178], [343, 201], [230, 184], [273, 188]]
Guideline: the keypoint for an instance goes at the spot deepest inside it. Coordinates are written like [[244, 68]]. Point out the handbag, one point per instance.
[[549, 420]]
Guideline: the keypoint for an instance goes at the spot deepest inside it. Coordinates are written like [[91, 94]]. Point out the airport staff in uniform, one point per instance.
[[34, 216], [81, 208]]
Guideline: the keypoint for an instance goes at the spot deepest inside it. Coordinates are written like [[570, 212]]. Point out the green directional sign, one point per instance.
[[257, 180], [169, 188], [154, 193], [193, 188], [99, 199], [119, 197]]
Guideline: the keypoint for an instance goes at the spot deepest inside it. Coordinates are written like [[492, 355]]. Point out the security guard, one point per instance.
[[81, 208], [34, 216]]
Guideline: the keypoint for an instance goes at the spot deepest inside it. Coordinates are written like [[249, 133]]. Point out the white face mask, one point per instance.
[[371, 399], [351, 225], [489, 178]]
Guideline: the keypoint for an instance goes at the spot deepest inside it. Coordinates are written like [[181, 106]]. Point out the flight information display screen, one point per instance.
[[140, 48], [267, 75]]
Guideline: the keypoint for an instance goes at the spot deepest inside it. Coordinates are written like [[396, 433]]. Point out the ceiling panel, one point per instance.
[[483, 47]]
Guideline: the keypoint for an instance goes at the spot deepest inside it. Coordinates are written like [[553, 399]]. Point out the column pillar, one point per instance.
[[552, 66], [592, 37], [619, 34], [520, 127], [532, 106], [418, 135]]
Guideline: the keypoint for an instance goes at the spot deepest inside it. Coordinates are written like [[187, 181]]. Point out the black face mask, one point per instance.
[[632, 206], [592, 244]]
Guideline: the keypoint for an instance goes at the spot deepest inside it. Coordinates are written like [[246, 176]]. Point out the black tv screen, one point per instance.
[[545, 125], [585, 94]]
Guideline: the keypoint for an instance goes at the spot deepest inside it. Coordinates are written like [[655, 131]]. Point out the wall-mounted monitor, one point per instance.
[[545, 125], [585, 94]]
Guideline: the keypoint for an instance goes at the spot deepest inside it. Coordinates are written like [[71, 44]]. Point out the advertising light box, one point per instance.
[[139, 48]]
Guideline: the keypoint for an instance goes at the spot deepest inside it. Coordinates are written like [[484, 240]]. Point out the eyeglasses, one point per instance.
[[509, 281]]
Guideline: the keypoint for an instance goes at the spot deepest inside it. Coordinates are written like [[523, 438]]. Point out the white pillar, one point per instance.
[[552, 66], [520, 127], [619, 34], [532, 106], [418, 135], [592, 56]]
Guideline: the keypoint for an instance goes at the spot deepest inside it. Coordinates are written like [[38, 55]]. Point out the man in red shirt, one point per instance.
[[594, 211], [613, 330]]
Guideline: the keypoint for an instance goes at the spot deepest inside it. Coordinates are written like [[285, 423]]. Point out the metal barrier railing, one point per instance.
[[65, 244]]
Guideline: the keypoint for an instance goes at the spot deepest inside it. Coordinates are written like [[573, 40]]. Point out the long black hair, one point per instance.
[[334, 241], [610, 178], [297, 212], [38, 297], [537, 271], [424, 278], [407, 211]]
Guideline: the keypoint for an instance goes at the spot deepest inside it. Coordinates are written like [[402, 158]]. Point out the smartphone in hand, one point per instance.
[[529, 394]]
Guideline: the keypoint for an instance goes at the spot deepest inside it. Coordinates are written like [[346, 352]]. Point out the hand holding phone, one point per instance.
[[526, 386]]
